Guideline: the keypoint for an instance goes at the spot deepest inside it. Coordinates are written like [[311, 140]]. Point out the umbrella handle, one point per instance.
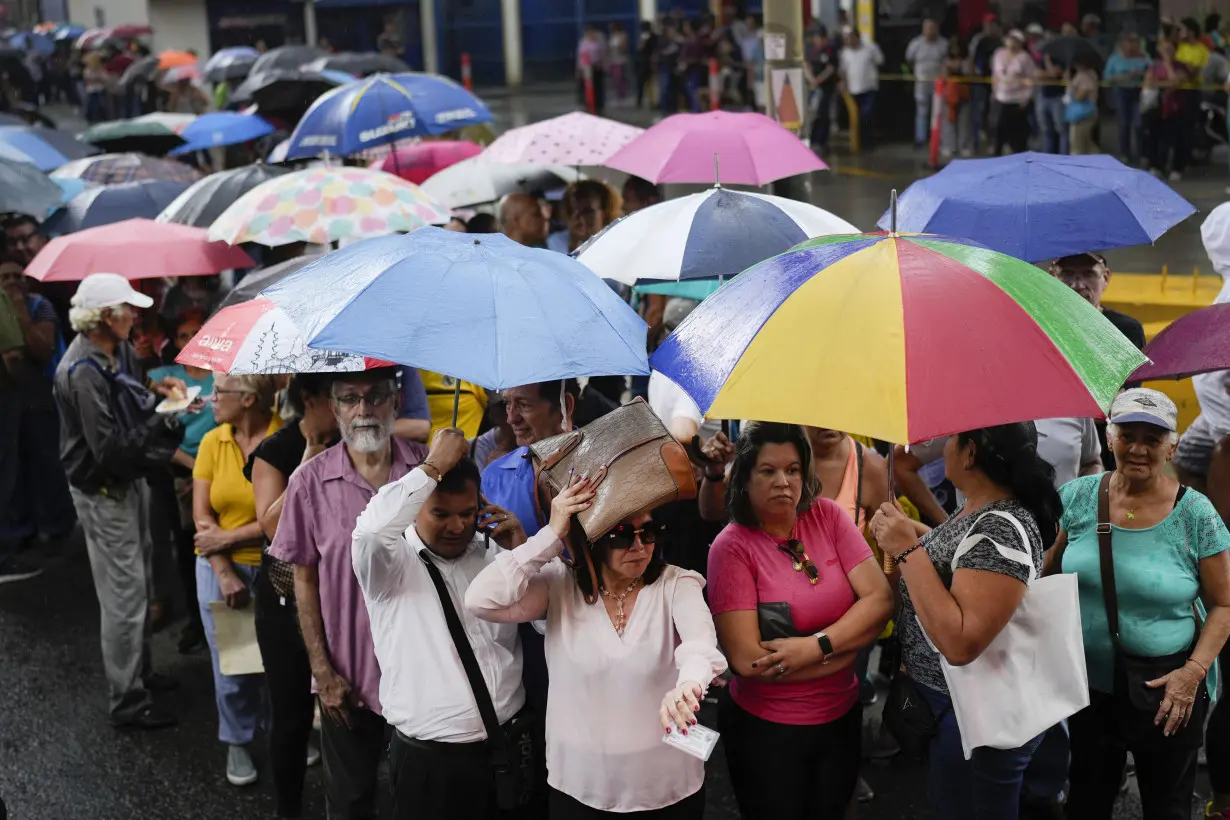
[[456, 399], [888, 564]]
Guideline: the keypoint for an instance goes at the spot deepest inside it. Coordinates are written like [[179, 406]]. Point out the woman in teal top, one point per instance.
[[1169, 549]]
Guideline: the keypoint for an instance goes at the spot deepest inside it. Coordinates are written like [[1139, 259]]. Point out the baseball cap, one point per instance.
[[101, 290], [1018, 35], [1140, 404], [989, 18], [1035, 28]]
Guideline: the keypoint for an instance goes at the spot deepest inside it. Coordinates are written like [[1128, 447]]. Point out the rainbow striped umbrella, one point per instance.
[[902, 337]]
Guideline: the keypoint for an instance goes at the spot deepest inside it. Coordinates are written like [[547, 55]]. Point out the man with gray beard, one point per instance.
[[323, 499]]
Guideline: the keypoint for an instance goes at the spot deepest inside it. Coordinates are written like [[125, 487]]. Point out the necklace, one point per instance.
[[621, 620]]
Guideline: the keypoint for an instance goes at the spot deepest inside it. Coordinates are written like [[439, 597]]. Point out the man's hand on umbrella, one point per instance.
[[448, 447]]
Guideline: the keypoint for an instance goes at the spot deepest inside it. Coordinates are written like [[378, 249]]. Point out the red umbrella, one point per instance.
[[415, 163], [130, 30], [136, 249]]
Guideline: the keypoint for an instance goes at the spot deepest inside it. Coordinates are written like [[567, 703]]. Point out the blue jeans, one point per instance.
[[1048, 769], [922, 117], [668, 91], [988, 785], [240, 698], [866, 107], [1052, 124], [1127, 102], [980, 107]]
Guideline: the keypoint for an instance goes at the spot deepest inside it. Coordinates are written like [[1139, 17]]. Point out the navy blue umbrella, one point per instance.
[[114, 203]]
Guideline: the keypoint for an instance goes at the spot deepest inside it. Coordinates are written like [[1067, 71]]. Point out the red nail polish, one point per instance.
[[685, 731], [693, 721], [668, 730]]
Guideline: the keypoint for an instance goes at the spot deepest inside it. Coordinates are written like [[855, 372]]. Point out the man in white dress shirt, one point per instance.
[[440, 763]]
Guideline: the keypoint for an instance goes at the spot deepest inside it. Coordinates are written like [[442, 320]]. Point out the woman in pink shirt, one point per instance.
[[795, 593], [1013, 72]]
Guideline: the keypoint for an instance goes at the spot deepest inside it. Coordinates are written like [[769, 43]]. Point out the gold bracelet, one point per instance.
[[425, 464]]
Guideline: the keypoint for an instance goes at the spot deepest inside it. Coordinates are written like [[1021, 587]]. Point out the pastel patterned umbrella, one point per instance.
[[323, 205], [573, 139], [900, 337]]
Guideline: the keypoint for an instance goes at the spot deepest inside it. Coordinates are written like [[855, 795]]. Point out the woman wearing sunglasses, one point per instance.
[[611, 664], [795, 592]]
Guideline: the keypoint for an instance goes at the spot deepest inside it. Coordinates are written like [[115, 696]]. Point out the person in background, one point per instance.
[[413, 414], [795, 563], [483, 223], [925, 54], [12, 368], [1082, 93], [1049, 103], [389, 43], [589, 206], [982, 48], [106, 452], [323, 500], [751, 46], [227, 538], [1126, 70], [96, 81], [497, 441], [964, 603], [1089, 275], [821, 72], [1091, 30], [860, 63], [204, 293], [666, 62], [617, 62], [24, 239], [440, 391], [609, 671], [311, 429], [958, 135], [1013, 72], [646, 48], [591, 58], [1213, 36], [522, 221], [1166, 124], [638, 194], [1190, 51], [1159, 529]]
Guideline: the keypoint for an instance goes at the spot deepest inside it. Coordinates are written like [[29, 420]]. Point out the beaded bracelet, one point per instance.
[[900, 559]]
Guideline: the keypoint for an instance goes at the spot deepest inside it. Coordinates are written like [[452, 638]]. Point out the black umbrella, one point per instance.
[[282, 93], [229, 71], [143, 70], [104, 205], [154, 145], [205, 201], [256, 281], [360, 65], [286, 57], [1064, 51]]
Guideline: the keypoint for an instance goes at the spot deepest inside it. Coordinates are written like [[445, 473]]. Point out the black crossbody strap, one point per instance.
[[482, 698], [858, 493], [1109, 599]]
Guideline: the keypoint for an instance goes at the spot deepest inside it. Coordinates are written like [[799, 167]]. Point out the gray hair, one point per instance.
[[84, 320], [1112, 432]]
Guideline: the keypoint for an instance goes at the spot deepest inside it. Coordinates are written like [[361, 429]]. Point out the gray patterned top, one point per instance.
[[940, 544]]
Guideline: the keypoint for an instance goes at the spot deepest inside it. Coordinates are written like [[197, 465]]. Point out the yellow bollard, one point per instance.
[[1165, 270]]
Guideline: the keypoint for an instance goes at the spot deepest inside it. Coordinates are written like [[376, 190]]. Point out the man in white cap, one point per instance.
[[109, 439]]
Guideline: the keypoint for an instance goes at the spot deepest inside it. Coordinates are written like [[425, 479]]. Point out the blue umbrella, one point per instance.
[[25, 189], [221, 128], [113, 203], [32, 41], [480, 308], [384, 108], [24, 145], [1042, 206]]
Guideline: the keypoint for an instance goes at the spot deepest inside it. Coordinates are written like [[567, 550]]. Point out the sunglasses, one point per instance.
[[623, 536], [802, 563]]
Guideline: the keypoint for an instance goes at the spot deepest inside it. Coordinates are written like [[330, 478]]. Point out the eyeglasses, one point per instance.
[[220, 392], [802, 563], [376, 398], [624, 535]]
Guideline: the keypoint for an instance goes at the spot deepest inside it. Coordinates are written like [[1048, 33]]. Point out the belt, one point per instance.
[[474, 748]]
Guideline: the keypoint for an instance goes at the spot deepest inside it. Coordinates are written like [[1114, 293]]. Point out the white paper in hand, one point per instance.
[[698, 742]]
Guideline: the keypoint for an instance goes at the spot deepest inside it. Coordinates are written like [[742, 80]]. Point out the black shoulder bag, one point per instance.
[[517, 746], [1137, 703]]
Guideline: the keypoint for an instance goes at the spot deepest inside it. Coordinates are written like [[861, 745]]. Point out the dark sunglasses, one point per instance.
[[802, 563], [623, 536]]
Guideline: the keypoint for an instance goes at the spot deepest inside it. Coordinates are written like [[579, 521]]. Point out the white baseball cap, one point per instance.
[[1143, 405], [103, 290]]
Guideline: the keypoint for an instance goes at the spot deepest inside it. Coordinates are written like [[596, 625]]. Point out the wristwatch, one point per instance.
[[826, 646]]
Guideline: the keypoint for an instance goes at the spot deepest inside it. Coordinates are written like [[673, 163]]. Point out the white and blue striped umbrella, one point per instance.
[[717, 233]]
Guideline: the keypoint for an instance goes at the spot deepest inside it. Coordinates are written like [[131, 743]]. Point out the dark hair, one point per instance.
[[458, 479], [1212, 22], [307, 385], [17, 220], [549, 391], [599, 551], [755, 436], [1192, 25], [1008, 455], [644, 189], [482, 223]]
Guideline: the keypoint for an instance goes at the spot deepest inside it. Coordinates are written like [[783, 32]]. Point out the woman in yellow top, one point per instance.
[[470, 408], [228, 539]]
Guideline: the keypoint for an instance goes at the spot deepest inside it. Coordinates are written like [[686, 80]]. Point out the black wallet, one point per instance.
[[776, 621]]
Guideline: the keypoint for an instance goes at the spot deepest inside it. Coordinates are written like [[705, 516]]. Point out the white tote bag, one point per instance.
[[1032, 676]]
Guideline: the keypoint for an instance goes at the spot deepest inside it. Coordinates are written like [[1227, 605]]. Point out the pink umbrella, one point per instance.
[[741, 149], [415, 163], [573, 139], [136, 249]]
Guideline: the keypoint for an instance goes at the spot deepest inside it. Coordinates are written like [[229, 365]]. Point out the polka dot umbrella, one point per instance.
[[323, 205], [573, 139]]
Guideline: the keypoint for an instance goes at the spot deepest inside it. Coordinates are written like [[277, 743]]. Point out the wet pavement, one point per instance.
[[60, 759]]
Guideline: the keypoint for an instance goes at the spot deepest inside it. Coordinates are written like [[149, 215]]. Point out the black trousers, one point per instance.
[[1166, 774], [351, 758], [821, 762], [288, 675], [1217, 737], [563, 807], [448, 781], [1012, 128]]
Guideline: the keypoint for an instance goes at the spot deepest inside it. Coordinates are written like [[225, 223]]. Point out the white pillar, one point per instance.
[[514, 60], [309, 22], [431, 45], [649, 11]]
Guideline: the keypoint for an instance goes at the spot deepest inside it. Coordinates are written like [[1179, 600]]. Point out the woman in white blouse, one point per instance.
[[610, 665]]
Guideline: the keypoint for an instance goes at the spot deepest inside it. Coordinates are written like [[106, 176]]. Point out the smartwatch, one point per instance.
[[826, 646]]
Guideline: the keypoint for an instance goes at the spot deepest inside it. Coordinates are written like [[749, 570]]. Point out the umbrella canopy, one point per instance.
[[136, 249], [112, 169], [26, 190], [1196, 343], [1042, 206], [476, 181], [128, 31], [704, 236], [205, 201], [172, 59], [70, 31], [384, 108], [322, 205], [63, 142], [573, 139], [737, 149], [23, 144], [113, 203], [483, 309], [857, 333], [359, 64], [282, 92], [255, 281], [230, 64], [221, 128], [417, 163], [258, 337], [33, 41], [286, 57], [143, 70], [91, 38], [153, 134], [178, 73]]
